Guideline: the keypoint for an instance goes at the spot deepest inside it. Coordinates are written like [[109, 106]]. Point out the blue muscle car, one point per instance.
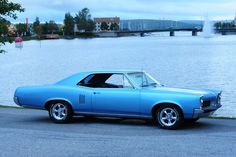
[[122, 93]]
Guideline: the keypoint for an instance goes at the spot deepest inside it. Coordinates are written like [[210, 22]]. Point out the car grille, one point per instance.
[[206, 103]]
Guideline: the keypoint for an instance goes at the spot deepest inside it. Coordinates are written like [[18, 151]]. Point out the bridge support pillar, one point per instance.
[[194, 33], [172, 33]]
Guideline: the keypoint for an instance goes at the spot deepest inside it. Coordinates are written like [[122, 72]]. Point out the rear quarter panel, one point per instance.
[[38, 96]]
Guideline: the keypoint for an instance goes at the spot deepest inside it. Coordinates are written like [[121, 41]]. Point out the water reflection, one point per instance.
[[181, 61]]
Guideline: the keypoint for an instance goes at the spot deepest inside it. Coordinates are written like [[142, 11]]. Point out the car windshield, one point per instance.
[[143, 79]]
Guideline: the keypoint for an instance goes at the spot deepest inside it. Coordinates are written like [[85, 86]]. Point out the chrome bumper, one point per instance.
[[16, 100], [204, 112]]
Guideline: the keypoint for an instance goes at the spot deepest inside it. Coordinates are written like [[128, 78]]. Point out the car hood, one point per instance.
[[206, 93]]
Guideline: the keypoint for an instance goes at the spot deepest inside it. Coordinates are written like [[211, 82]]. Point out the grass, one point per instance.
[[16, 107], [221, 117], [27, 38]]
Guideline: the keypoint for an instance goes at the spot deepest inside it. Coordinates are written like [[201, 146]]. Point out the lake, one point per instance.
[[180, 61]]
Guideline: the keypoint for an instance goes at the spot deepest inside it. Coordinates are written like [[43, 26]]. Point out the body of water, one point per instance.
[[180, 61]]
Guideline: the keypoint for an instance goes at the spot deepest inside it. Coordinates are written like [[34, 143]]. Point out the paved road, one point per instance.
[[29, 133]]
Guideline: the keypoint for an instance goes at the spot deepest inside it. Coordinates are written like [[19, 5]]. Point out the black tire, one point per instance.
[[64, 113], [169, 116], [191, 121]]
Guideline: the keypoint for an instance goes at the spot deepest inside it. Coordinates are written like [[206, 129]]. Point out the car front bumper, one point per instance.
[[205, 112]]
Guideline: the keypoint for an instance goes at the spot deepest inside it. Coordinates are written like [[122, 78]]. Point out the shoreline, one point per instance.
[[78, 36], [28, 38], [210, 117]]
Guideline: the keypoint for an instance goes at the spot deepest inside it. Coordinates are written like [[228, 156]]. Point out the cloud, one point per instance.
[[129, 9]]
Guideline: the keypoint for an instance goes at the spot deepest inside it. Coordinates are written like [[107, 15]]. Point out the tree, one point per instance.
[[68, 24], [21, 28], [38, 30], [84, 21], [104, 26], [45, 28], [91, 25], [224, 25], [3, 27], [7, 9], [37, 27], [218, 25], [114, 27], [52, 27], [49, 27]]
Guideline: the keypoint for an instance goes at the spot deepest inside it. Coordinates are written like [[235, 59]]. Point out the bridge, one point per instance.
[[142, 26], [171, 30]]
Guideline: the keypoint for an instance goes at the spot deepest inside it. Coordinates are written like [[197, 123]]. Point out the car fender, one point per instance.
[[58, 99], [167, 102]]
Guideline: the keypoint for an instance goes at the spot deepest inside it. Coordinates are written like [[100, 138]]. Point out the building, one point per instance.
[[12, 30], [108, 20]]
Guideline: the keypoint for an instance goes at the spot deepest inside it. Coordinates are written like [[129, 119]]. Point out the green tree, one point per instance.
[[224, 25], [3, 27], [52, 27], [91, 25], [218, 25], [68, 24], [114, 27], [104, 26], [45, 28], [7, 9], [84, 21], [37, 28], [49, 27], [21, 28]]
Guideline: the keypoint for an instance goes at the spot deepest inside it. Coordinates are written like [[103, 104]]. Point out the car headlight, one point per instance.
[[201, 101], [16, 100]]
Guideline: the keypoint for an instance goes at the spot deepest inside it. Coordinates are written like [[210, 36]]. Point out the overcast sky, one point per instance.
[[129, 9]]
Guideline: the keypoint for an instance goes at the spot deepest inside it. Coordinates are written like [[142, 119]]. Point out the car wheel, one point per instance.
[[60, 112], [169, 117]]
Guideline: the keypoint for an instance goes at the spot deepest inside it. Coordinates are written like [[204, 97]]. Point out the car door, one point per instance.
[[84, 99], [120, 99]]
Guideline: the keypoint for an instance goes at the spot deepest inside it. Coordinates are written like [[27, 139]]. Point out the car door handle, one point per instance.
[[96, 92]]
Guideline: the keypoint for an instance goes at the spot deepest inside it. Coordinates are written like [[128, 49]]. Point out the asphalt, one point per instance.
[[29, 133]]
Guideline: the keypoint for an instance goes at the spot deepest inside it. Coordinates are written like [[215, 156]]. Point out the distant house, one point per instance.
[[11, 29], [108, 20]]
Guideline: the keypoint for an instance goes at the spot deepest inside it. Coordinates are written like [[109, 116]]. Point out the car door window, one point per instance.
[[119, 81], [107, 80], [126, 83]]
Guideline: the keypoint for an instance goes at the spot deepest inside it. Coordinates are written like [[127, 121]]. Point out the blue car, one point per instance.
[[120, 93]]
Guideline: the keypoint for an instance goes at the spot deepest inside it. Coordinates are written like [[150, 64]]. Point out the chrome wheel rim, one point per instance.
[[59, 111], [168, 116]]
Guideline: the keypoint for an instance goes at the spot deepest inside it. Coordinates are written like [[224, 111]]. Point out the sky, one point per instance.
[[129, 9]]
